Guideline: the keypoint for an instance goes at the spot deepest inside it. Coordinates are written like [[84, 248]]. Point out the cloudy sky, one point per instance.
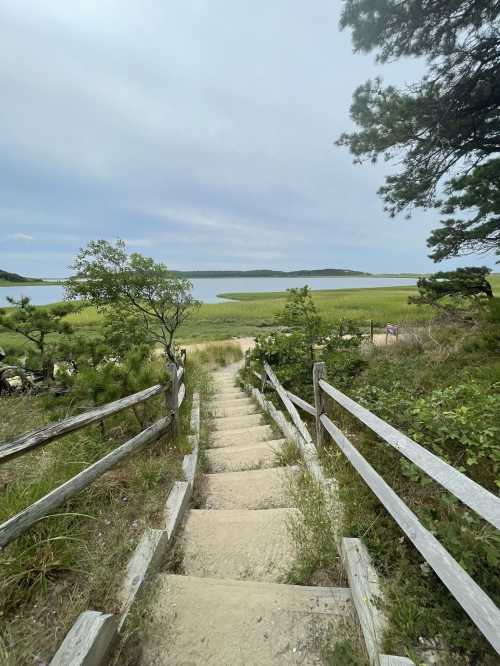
[[200, 131]]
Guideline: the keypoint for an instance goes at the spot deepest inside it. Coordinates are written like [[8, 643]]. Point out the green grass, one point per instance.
[[249, 314]]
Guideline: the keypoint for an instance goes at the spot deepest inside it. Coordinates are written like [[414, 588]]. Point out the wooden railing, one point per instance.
[[176, 392], [475, 602]]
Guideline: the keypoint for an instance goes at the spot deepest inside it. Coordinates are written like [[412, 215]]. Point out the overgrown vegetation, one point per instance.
[[317, 561], [303, 339], [74, 558], [441, 386], [443, 391]]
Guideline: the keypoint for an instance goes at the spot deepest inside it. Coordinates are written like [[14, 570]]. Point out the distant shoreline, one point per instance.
[[45, 282]]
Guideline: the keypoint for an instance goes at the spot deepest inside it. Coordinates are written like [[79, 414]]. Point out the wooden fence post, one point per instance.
[[319, 372], [263, 381], [173, 397], [371, 330]]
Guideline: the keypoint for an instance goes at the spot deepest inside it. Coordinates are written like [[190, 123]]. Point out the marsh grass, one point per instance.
[[249, 314]]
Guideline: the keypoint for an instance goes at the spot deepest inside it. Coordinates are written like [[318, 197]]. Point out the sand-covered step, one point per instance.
[[219, 399], [218, 622], [225, 380], [233, 408], [256, 489], [245, 457], [238, 422], [241, 436], [238, 544], [231, 394]]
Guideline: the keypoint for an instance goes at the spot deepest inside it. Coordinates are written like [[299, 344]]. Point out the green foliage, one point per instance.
[[478, 191], [459, 423], [344, 653], [36, 323], [314, 535], [300, 314], [288, 354], [293, 354], [448, 289], [143, 293], [448, 122], [447, 398]]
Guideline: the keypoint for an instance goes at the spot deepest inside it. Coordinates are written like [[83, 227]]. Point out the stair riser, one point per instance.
[[225, 423]]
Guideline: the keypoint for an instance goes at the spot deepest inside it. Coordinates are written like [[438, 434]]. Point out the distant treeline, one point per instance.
[[320, 272], [14, 277]]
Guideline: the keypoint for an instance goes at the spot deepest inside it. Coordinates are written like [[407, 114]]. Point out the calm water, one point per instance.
[[206, 289]]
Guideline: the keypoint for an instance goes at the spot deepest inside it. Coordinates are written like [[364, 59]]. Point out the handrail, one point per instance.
[[466, 591], [468, 491], [301, 403], [308, 447], [294, 398], [15, 526], [18, 524], [181, 395], [475, 602], [34, 439]]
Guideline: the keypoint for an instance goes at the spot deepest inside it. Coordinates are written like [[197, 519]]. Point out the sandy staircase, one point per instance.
[[230, 605]]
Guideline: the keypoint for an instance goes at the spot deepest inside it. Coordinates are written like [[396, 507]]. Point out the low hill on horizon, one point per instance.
[[15, 277], [319, 272]]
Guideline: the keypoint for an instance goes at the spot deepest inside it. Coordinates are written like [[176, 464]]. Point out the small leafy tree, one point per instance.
[[308, 339], [446, 289], [36, 323], [145, 294], [300, 314]]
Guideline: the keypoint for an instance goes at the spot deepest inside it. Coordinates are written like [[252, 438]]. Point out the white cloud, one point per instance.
[[23, 237]]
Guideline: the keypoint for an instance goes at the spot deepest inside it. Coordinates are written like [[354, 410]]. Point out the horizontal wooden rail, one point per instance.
[[469, 595], [48, 433], [308, 448], [301, 403], [19, 523], [468, 491], [294, 398]]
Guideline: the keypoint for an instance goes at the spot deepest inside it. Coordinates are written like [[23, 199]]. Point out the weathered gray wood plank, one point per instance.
[[301, 403], [194, 423], [365, 589], [469, 492], [469, 595], [36, 438], [390, 660], [88, 641], [190, 461], [144, 561], [182, 394], [306, 444], [19, 523], [175, 506], [319, 372]]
